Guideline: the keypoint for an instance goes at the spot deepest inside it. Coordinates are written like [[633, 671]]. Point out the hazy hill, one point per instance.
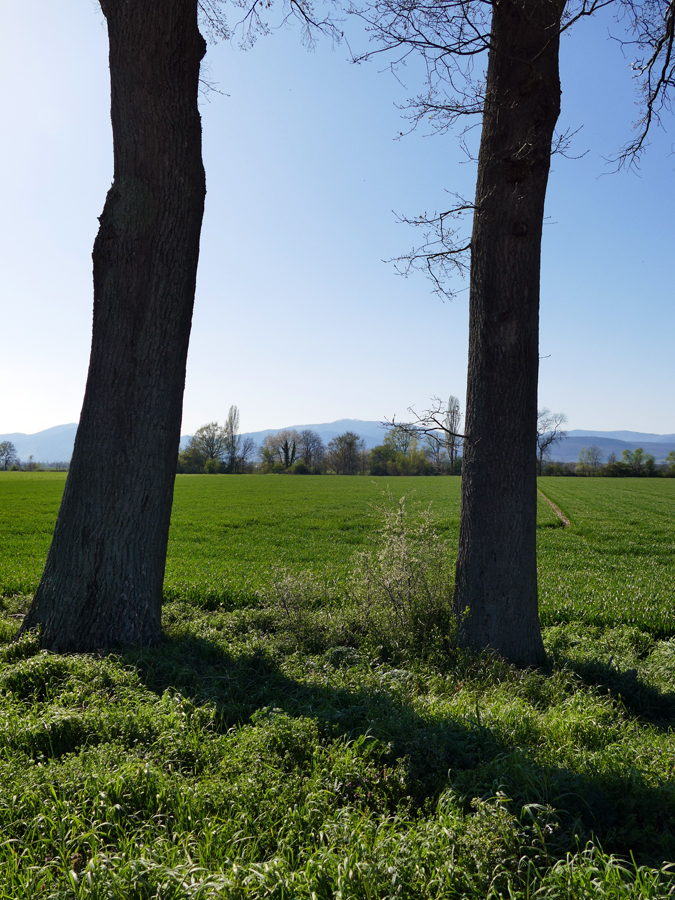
[[51, 445], [568, 449], [632, 436]]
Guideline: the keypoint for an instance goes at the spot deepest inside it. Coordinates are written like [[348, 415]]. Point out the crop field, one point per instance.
[[616, 563], [229, 533], [297, 736]]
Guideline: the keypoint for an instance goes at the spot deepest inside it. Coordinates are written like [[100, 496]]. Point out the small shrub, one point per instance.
[[403, 588], [299, 468], [398, 597]]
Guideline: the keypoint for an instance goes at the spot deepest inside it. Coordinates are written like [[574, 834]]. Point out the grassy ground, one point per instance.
[[273, 748]]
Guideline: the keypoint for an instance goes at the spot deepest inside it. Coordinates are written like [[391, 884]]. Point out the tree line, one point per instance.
[[9, 461], [430, 445], [304, 453], [633, 464]]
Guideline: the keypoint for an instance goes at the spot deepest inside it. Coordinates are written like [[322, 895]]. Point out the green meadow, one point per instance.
[[296, 737], [229, 533]]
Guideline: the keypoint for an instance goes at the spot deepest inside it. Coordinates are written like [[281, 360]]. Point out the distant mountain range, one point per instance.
[[659, 445], [48, 446], [56, 444]]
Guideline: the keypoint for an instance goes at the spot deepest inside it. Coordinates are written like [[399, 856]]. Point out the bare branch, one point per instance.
[[432, 422], [653, 23], [255, 22], [212, 20], [449, 37], [549, 432], [444, 251]]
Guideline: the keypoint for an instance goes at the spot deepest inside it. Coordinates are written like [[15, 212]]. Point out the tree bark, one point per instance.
[[496, 579], [102, 584]]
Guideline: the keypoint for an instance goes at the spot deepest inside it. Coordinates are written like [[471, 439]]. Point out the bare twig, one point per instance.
[[653, 23]]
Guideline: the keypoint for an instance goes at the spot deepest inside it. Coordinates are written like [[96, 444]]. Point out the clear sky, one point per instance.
[[297, 318]]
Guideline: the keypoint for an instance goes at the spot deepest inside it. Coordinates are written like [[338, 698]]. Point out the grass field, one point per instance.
[[266, 753], [617, 561], [227, 533]]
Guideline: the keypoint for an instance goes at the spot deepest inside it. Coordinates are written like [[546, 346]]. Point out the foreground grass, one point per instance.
[[259, 754], [229, 763]]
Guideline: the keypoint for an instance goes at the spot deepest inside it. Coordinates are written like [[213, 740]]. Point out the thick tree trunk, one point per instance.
[[496, 583], [102, 584]]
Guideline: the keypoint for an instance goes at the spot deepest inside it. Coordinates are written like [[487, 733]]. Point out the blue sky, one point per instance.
[[297, 318]]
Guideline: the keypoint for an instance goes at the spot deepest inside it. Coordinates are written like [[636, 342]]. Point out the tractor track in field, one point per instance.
[[556, 509]]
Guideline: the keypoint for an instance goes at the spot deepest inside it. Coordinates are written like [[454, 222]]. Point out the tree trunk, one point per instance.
[[102, 584], [496, 583]]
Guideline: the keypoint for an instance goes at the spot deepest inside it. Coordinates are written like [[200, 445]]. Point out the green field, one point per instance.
[[615, 564], [277, 747]]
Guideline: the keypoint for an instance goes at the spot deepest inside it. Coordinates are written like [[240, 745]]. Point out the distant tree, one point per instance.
[[345, 453], [288, 446], [589, 460], [559, 469], [670, 463], [595, 455], [615, 468], [549, 432], [439, 423], [237, 450], [232, 439], [191, 461], [311, 449], [453, 424], [8, 455], [299, 467], [268, 458], [215, 448], [280, 449], [437, 454], [400, 454], [32, 466], [639, 462], [401, 439], [206, 447], [380, 460], [211, 441], [246, 451]]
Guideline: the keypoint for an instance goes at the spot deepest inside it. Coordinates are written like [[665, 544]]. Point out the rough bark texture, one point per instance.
[[496, 584], [102, 584]]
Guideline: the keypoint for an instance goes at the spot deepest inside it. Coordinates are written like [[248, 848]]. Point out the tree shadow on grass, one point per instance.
[[621, 811], [641, 700]]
